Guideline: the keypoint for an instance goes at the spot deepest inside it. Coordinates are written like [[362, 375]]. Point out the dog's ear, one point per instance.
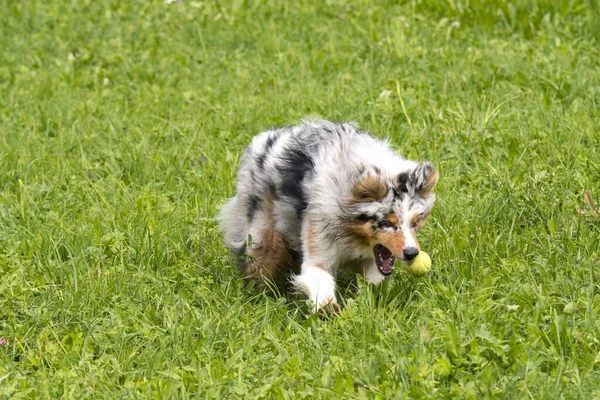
[[424, 178], [420, 180], [369, 187]]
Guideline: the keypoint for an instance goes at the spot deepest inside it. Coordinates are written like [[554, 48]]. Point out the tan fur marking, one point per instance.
[[392, 218], [370, 188], [270, 259], [363, 233], [429, 185], [414, 219], [421, 223], [321, 266], [393, 241], [310, 239]]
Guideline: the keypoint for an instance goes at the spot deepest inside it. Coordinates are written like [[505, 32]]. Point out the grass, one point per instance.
[[121, 126]]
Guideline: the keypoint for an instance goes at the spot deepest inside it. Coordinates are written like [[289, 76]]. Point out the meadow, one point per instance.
[[121, 127]]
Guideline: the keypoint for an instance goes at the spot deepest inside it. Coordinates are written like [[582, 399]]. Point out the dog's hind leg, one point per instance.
[[267, 257]]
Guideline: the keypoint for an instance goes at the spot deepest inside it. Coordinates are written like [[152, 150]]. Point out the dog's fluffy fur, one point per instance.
[[326, 198]]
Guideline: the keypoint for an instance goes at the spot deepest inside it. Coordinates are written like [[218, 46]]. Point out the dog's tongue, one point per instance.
[[384, 260]]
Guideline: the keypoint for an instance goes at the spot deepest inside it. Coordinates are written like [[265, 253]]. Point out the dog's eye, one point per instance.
[[386, 224], [367, 218], [420, 217]]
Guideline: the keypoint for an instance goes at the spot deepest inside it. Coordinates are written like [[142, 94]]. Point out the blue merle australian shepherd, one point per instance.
[[323, 198]]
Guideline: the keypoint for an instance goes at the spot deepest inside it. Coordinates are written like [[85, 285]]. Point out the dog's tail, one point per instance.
[[233, 225]]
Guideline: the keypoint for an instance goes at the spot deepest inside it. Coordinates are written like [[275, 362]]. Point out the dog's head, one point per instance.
[[385, 213]]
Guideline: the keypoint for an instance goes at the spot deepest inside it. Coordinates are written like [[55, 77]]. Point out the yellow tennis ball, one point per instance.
[[420, 265]]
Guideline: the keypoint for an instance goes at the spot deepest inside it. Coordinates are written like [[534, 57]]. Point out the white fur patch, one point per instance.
[[373, 275], [409, 240], [318, 285]]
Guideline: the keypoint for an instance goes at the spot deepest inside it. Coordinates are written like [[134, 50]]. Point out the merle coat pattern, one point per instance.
[[321, 198]]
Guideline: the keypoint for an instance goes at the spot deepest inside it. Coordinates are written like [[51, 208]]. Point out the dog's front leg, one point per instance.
[[371, 272], [316, 277], [319, 286]]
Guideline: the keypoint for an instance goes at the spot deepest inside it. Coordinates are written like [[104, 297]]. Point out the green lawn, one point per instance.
[[121, 127]]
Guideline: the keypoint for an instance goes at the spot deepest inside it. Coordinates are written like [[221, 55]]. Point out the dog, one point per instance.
[[323, 198]]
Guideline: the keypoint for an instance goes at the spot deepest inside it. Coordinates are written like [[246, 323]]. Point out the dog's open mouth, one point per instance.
[[384, 260]]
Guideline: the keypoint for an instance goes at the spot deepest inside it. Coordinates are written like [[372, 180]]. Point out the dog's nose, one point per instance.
[[410, 253]]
